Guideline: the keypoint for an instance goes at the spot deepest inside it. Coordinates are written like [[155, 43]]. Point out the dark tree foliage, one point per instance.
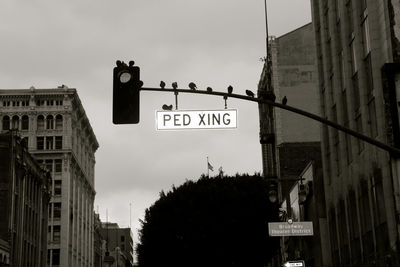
[[219, 221]]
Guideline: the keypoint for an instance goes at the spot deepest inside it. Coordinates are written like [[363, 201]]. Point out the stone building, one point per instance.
[[58, 133], [24, 201], [296, 140], [358, 55], [119, 243]]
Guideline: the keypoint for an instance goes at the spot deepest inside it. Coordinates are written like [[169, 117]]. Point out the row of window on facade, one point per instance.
[[51, 165], [49, 122], [25, 103], [49, 142], [353, 236]]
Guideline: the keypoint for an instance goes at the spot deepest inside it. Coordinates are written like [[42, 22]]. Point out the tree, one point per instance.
[[221, 221]]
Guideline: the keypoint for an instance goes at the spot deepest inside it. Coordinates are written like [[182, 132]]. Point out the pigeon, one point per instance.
[[230, 89], [162, 84], [249, 93], [209, 89], [166, 107], [284, 100], [174, 85], [192, 86]]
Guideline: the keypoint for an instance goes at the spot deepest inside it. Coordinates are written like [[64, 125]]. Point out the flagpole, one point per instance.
[[208, 169]]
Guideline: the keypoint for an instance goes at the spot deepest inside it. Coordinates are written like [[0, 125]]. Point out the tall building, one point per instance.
[[293, 77], [58, 133], [358, 55], [24, 201], [119, 243]]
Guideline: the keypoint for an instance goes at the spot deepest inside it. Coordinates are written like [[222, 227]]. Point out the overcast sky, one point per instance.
[[212, 43]]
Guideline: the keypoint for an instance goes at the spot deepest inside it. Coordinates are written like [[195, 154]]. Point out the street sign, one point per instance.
[[290, 229], [294, 264], [196, 119]]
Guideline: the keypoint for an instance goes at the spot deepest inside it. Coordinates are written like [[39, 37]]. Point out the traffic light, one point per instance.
[[126, 88], [273, 191]]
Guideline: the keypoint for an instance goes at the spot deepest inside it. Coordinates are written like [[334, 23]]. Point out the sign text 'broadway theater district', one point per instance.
[[196, 119], [290, 229]]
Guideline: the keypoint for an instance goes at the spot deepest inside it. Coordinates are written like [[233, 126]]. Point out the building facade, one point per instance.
[[54, 125], [24, 201], [293, 76], [119, 243], [357, 48]]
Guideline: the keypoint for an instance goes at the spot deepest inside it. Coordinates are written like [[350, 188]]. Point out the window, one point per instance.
[[366, 224], [6, 123], [369, 75], [25, 141], [40, 103], [58, 165], [335, 135], [57, 187], [354, 66], [50, 122], [365, 35], [349, 17], [122, 238], [56, 234], [25, 122], [15, 122], [372, 118], [354, 228], [359, 130], [56, 257], [59, 122], [333, 236], [49, 165], [40, 122], [58, 142], [57, 211], [49, 142], [356, 93], [344, 246], [40, 143]]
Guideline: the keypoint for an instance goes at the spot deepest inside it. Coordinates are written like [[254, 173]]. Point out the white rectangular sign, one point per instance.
[[290, 229], [294, 264], [196, 119]]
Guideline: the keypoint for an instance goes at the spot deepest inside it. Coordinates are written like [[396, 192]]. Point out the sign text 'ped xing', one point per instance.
[[196, 119]]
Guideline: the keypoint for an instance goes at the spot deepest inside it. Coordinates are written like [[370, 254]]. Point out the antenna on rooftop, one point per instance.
[[266, 26]]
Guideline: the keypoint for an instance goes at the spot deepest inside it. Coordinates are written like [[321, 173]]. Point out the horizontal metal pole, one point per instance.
[[392, 150]]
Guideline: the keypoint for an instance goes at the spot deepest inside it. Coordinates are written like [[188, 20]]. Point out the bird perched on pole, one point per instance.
[[284, 100], [230, 89], [166, 107], [192, 86], [249, 93], [175, 85], [162, 84], [209, 89]]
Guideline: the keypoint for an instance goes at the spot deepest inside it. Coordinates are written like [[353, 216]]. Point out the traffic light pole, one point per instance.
[[394, 152]]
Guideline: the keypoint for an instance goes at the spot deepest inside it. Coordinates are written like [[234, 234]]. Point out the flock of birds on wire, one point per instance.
[[193, 86]]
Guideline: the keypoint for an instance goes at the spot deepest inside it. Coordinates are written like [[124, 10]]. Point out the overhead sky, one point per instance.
[[212, 43]]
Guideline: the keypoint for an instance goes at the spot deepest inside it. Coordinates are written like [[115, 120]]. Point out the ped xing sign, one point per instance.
[[196, 119], [290, 229]]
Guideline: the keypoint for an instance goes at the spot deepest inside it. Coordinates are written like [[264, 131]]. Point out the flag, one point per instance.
[[210, 167]]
